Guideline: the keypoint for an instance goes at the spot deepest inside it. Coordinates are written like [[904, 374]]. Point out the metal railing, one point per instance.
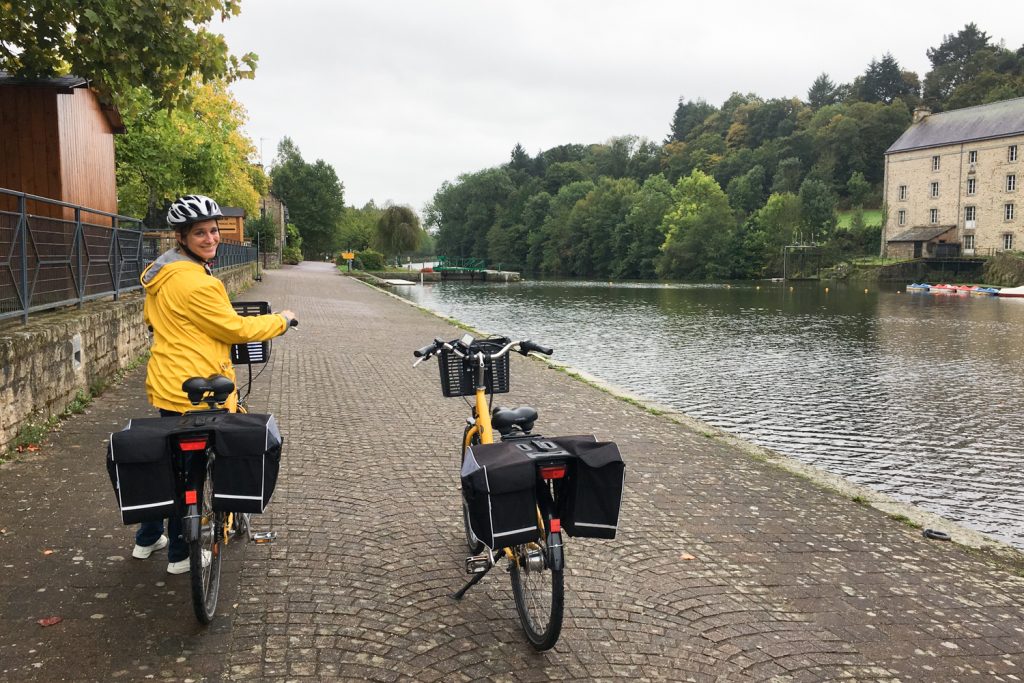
[[49, 261]]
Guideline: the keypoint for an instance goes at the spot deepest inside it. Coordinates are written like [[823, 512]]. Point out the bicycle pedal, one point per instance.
[[478, 564], [264, 536]]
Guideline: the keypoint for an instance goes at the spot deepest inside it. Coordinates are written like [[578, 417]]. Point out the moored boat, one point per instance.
[[1012, 292], [918, 287]]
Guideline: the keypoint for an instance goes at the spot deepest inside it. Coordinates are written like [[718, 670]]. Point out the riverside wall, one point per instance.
[[57, 355]]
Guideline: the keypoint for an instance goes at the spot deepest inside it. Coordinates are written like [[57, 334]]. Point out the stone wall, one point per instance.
[[46, 362]]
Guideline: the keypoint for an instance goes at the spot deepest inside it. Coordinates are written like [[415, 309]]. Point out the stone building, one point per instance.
[[952, 183]]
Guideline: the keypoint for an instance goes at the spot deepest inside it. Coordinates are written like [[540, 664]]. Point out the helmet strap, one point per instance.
[[195, 257]]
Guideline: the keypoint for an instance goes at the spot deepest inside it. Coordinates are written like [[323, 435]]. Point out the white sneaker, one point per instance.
[[141, 552], [184, 566]]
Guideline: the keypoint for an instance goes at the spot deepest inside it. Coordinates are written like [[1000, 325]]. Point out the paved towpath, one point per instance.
[[726, 568]]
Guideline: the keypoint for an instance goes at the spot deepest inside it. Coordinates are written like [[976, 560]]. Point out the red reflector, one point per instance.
[[552, 471], [556, 525], [191, 498], [193, 444]]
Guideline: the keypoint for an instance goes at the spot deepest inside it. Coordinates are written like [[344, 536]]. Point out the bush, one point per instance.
[[371, 260], [291, 255]]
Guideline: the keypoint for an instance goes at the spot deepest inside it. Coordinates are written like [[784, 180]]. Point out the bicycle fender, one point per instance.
[[556, 560]]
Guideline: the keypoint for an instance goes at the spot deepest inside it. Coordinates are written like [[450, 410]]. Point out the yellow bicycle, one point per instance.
[[533, 545]]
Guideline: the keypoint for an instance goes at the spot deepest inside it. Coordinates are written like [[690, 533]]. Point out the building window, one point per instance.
[[970, 212], [935, 163], [968, 242], [1008, 211], [1011, 182], [935, 189], [1008, 241], [903, 192], [901, 217], [933, 215], [1012, 154], [972, 156], [972, 186]]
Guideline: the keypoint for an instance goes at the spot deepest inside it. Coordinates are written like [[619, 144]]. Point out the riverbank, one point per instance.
[[726, 567]]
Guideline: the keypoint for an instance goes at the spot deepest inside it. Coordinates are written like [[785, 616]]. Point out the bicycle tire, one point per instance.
[[474, 544], [206, 579], [538, 592]]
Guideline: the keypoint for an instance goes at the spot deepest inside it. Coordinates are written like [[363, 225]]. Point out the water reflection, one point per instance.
[[915, 395]]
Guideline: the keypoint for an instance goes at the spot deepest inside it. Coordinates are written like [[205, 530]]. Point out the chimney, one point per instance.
[[921, 113]]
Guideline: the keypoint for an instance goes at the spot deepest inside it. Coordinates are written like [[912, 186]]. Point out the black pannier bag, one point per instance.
[[248, 451], [592, 493], [141, 470], [499, 487]]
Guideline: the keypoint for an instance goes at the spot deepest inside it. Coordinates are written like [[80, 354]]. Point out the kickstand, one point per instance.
[[472, 582]]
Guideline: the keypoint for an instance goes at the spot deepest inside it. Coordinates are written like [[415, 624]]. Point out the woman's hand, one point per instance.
[[287, 315]]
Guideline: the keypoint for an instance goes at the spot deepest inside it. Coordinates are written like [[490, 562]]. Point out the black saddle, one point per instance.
[[212, 389], [505, 419]]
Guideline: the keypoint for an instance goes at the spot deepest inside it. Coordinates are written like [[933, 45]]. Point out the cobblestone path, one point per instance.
[[726, 568]]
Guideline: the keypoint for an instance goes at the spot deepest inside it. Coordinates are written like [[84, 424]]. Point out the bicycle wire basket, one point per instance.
[[250, 352], [458, 375]]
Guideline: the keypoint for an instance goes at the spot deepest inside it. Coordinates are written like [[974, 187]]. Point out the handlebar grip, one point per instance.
[[425, 351], [526, 346], [294, 322]]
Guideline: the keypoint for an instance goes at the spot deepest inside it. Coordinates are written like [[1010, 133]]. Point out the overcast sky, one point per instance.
[[400, 96]]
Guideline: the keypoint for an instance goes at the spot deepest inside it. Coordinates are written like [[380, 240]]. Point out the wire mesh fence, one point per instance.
[[61, 254]]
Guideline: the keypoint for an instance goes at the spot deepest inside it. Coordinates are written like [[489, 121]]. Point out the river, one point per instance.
[[914, 395]]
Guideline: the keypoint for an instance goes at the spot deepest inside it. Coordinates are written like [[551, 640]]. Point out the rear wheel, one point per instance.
[[474, 544], [205, 552], [538, 592]]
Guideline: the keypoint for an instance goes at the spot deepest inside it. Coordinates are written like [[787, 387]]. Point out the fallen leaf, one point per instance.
[[687, 556], [49, 621]]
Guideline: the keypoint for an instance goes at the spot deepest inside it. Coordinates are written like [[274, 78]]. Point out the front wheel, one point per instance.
[[538, 591], [204, 552]]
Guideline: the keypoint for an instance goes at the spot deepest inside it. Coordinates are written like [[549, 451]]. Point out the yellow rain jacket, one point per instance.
[[193, 327]]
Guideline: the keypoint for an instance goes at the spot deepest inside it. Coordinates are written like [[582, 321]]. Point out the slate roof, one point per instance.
[[921, 234], [983, 122], [59, 82], [232, 211]]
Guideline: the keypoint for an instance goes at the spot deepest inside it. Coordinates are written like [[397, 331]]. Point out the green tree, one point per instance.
[[638, 238], [689, 115], [121, 44], [592, 224], [951, 62], [358, 227], [263, 231], [822, 92], [398, 231], [292, 252], [699, 229], [884, 81], [788, 176], [198, 147], [746, 192], [818, 209], [314, 196], [858, 189], [770, 229]]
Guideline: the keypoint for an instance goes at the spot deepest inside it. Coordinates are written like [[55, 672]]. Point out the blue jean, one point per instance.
[[150, 532]]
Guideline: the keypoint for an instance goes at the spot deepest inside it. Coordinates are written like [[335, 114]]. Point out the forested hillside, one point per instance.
[[727, 187]]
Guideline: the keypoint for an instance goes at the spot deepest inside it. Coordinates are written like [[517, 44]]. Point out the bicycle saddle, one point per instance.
[[197, 389], [503, 419]]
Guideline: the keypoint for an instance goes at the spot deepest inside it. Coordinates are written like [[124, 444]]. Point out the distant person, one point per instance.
[[193, 327]]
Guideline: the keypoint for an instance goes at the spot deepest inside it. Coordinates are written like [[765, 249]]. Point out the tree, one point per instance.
[[858, 189], [195, 148], [884, 81], [822, 92], [688, 116], [121, 44], [398, 230], [358, 227], [262, 230], [788, 176], [950, 62], [314, 196], [746, 192], [818, 209], [770, 229], [638, 238], [698, 231]]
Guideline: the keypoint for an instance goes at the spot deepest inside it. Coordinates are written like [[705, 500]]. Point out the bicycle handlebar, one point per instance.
[[294, 322], [525, 347]]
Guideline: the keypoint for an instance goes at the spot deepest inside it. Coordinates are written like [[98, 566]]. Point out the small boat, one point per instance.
[[985, 291], [943, 289], [963, 289], [918, 287], [1012, 292]]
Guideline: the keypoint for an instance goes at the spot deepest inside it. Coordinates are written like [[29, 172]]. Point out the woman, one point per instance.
[[193, 327]]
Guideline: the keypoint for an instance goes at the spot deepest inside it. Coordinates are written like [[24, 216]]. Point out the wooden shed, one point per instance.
[[57, 141]]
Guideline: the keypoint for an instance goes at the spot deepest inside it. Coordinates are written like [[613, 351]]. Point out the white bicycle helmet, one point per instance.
[[190, 209]]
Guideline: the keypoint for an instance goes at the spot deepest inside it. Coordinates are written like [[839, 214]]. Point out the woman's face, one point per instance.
[[202, 239]]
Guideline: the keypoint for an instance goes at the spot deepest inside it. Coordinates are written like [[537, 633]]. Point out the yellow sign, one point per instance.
[[348, 255]]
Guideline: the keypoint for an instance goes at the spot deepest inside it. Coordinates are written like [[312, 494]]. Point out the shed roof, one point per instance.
[[985, 121], [65, 84], [232, 211], [921, 234]]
